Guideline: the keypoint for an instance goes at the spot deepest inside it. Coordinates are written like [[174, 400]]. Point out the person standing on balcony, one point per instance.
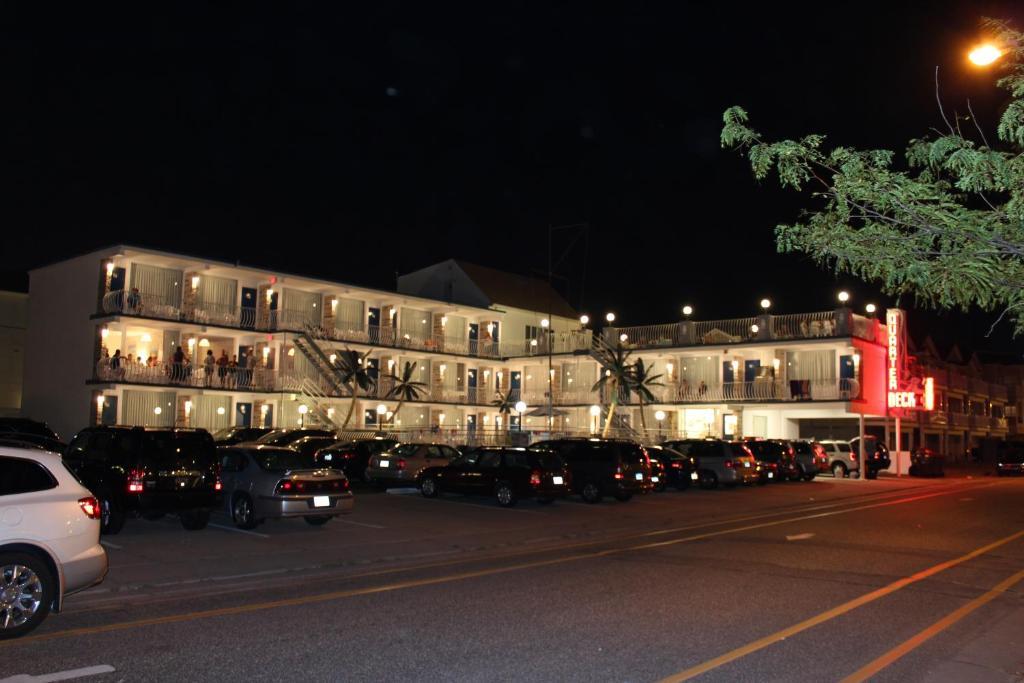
[[222, 366], [233, 371], [103, 364], [251, 364], [178, 366], [115, 362], [134, 301], [208, 364]]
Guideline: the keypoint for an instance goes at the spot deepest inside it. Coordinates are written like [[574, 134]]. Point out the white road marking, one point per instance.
[[407, 491], [799, 537], [67, 675], [240, 531], [111, 545], [369, 526]]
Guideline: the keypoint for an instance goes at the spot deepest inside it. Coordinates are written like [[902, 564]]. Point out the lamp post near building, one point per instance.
[[520, 408]]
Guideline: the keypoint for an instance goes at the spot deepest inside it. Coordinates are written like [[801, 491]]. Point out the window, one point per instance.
[[490, 460], [435, 452], [449, 452], [467, 460], [532, 332], [23, 476]]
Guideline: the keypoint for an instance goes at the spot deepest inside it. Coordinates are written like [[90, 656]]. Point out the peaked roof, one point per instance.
[[517, 291]]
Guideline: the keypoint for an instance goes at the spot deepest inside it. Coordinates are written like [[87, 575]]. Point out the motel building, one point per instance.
[[472, 333]]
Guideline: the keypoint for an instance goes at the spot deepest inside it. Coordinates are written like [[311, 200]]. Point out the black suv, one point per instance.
[[602, 467], [508, 474], [353, 457], [147, 472], [679, 470], [776, 460]]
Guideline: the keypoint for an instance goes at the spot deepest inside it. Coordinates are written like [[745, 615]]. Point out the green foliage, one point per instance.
[[404, 387], [947, 230]]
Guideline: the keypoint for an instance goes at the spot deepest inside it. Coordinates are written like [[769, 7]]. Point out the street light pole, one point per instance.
[[545, 325]]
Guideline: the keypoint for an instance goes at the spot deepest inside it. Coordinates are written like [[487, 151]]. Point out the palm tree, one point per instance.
[[354, 372], [505, 404], [614, 361], [404, 387], [640, 382]]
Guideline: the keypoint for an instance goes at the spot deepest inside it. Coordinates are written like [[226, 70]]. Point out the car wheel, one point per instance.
[[623, 497], [428, 487], [27, 590], [708, 480], [318, 520], [111, 516], [194, 520], [242, 512], [505, 495], [839, 470], [591, 492], [809, 476], [872, 474], [545, 501]]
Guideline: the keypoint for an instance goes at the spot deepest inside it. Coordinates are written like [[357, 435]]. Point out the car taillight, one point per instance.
[[135, 481], [401, 463], [344, 485], [285, 486], [90, 506], [728, 463], [618, 473], [217, 485], [676, 465], [535, 478]]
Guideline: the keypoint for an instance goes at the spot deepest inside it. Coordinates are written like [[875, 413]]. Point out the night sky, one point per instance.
[[351, 145]]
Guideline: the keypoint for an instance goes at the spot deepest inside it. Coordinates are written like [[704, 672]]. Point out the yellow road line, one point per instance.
[[415, 583], [109, 604], [840, 610], [869, 670]]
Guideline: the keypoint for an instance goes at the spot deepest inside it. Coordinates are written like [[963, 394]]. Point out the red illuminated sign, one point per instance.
[[900, 395]]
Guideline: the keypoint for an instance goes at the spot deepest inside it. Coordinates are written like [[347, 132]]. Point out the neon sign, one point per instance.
[[900, 392]]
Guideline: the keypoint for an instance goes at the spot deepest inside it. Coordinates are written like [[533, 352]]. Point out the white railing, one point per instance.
[[804, 325], [639, 336], [186, 374], [124, 302]]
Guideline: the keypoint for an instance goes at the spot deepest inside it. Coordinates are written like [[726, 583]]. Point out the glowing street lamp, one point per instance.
[[984, 55], [843, 296], [871, 308], [584, 319], [687, 310], [610, 317], [766, 304]]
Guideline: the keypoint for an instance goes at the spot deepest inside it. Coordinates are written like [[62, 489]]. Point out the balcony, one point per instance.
[[999, 424], [937, 418], [185, 375], [960, 420], [821, 325]]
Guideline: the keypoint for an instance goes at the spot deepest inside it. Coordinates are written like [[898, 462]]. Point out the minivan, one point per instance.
[[602, 467]]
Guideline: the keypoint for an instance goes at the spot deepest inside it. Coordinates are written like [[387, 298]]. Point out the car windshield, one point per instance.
[[23, 426], [739, 451], [767, 451], [281, 461], [226, 433], [406, 450], [843, 447], [176, 450], [274, 437]]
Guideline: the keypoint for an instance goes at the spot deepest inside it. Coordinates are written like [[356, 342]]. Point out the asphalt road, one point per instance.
[[801, 581]]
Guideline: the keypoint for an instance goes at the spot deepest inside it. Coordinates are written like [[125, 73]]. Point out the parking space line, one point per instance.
[[872, 668], [239, 531], [68, 675], [369, 526], [462, 576]]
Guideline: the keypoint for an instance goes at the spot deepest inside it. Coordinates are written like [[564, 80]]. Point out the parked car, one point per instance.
[[49, 541], [602, 467], [232, 435], [147, 472], [285, 437], [810, 458], [272, 482], [718, 462], [678, 470], [353, 457], [1010, 458], [924, 462], [402, 464], [310, 445], [842, 460], [508, 474], [657, 474], [776, 460], [877, 455], [18, 430]]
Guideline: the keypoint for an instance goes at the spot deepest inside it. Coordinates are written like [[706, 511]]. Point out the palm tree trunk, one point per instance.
[[394, 415], [611, 410], [351, 407], [643, 419]]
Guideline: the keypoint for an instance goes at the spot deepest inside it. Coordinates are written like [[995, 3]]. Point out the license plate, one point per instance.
[[654, 479], [557, 481], [771, 475], [639, 476], [693, 475], [746, 464], [321, 501], [385, 463]]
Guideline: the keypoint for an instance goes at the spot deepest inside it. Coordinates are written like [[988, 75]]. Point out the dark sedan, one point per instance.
[[676, 469], [229, 436], [508, 474], [353, 457]]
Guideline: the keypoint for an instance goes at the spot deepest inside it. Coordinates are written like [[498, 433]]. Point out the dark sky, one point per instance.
[[353, 144]]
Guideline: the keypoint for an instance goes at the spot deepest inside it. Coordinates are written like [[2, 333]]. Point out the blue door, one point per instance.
[[750, 370], [108, 416], [117, 279], [373, 368], [847, 370], [247, 317], [471, 424], [727, 373], [273, 309], [471, 385], [516, 382], [474, 338], [243, 414]]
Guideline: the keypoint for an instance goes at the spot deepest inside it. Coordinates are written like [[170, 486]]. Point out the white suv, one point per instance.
[[842, 459], [49, 538]]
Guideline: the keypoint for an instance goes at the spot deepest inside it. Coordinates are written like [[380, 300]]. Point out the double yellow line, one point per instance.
[[888, 658]]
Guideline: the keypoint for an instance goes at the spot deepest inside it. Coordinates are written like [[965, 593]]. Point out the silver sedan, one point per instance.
[[402, 464], [263, 482]]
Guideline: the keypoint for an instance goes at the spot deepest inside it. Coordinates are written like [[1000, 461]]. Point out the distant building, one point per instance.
[[13, 330]]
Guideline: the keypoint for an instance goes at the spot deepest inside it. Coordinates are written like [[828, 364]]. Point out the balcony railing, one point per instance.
[[824, 324], [238, 379], [959, 420], [999, 423]]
